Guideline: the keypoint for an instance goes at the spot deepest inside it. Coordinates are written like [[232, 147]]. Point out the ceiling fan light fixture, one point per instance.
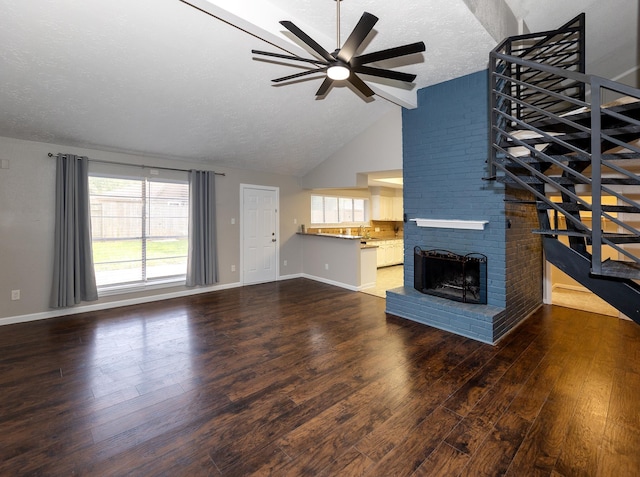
[[338, 72], [344, 64]]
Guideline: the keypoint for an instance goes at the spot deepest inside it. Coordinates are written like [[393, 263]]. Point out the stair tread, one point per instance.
[[621, 269], [622, 238], [574, 207], [584, 116], [567, 180], [563, 232], [572, 136], [627, 156], [615, 238]]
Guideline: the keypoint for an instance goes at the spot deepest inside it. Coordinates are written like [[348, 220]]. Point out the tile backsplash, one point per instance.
[[377, 229]]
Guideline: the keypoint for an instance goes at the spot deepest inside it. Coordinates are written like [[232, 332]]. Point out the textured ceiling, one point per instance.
[[612, 28], [161, 78]]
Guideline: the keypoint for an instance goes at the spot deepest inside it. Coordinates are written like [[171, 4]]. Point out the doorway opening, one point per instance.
[[387, 278], [562, 290]]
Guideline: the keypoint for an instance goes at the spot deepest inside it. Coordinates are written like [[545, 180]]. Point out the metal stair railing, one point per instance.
[[597, 164], [518, 80], [520, 108]]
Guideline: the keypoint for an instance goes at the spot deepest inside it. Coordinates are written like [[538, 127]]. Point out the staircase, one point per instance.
[[573, 141]]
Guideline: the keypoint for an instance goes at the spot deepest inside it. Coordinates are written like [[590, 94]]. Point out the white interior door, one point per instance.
[[259, 234]]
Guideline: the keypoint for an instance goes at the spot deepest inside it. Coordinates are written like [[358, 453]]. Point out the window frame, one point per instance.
[[145, 238], [339, 199]]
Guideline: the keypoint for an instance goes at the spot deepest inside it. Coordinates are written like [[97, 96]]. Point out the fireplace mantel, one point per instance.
[[451, 224]]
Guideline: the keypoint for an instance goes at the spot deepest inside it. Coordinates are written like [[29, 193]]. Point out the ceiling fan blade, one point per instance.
[[394, 75], [324, 87], [359, 33], [360, 85], [389, 53], [288, 57], [298, 75], [308, 40]]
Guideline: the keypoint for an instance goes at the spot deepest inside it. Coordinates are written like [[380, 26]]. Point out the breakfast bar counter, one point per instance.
[[340, 260]]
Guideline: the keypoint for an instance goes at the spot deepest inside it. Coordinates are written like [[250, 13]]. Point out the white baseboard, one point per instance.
[[290, 277], [331, 282], [113, 304], [10, 320]]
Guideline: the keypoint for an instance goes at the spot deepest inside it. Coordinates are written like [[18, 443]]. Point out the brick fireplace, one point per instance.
[[445, 146]]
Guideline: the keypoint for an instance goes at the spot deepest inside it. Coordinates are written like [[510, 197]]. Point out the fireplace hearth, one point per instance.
[[445, 274]]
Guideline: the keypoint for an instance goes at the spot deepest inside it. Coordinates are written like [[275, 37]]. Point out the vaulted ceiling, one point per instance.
[[161, 78]]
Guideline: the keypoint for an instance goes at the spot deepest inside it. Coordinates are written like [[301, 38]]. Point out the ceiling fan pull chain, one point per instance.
[[338, 44]]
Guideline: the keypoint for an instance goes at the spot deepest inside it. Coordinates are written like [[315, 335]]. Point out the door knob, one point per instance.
[[273, 240]]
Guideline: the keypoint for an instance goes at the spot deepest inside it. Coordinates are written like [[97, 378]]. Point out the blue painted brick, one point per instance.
[[445, 144]]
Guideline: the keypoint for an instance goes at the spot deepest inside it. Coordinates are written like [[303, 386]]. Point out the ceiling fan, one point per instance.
[[343, 64]]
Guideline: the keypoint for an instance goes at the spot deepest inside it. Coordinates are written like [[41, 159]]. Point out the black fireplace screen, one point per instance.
[[449, 275]]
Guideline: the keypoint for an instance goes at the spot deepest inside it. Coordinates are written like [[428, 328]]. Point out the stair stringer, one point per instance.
[[622, 294]]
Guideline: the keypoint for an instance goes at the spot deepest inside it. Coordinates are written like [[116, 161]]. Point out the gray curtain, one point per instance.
[[73, 273], [202, 262]]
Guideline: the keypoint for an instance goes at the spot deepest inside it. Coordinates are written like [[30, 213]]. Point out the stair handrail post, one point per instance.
[[492, 115], [596, 171]]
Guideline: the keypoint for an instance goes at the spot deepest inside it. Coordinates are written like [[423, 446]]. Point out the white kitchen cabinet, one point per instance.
[[397, 252], [381, 207], [398, 209], [390, 252], [386, 204], [380, 253]]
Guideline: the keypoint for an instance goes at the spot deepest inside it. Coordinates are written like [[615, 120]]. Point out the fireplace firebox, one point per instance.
[[448, 275]]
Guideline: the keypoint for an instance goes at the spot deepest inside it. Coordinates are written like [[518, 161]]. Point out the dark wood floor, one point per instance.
[[301, 378]]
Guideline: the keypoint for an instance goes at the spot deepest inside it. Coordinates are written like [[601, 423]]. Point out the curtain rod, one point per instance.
[[137, 165]]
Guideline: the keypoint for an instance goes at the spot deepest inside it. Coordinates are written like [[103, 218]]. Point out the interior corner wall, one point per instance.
[[445, 144], [27, 225], [378, 148], [496, 17]]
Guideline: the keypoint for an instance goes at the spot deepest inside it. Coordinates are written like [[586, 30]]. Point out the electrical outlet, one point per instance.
[[285, 263], [233, 268], [233, 221], [295, 221], [326, 266], [15, 295]]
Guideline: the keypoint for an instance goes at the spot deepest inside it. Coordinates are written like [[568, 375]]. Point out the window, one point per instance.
[[338, 210], [139, 231]]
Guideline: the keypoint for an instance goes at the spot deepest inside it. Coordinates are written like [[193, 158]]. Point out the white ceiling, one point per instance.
[[160, 78]]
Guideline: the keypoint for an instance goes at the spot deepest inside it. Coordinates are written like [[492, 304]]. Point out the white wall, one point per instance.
[[379, 148], [27, 221]]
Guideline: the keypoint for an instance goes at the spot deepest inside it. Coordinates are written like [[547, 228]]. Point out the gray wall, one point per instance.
[[378, 148], [26, 221]]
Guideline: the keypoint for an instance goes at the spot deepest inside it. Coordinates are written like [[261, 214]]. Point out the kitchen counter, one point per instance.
[[339, 236], [340, 260], [363, 241], [366, 241]]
